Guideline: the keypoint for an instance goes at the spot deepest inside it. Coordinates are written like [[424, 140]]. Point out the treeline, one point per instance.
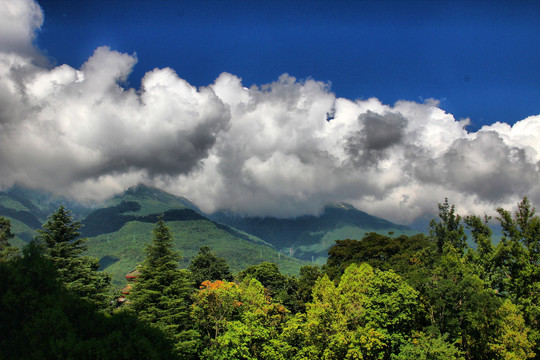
[[419, 297]]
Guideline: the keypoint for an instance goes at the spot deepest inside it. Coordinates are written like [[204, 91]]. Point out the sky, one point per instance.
[[275, 108]]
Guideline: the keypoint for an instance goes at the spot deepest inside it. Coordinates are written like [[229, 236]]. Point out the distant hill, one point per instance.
[[28, 210], [309, 237], [119, 229]]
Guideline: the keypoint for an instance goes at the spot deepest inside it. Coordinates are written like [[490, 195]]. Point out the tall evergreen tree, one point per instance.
[[63, 245], [7, 251], [162, 293]]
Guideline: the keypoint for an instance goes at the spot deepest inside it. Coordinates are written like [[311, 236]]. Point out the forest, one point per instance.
[[454, 293]]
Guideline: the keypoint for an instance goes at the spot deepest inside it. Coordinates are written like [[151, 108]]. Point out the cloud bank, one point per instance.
[[283, 149]]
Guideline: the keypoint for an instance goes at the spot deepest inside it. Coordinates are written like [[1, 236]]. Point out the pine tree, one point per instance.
[[162, 293], [6, 250], [63, 245]]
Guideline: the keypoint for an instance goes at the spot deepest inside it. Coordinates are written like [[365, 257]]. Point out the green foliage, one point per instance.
[[428, 347], [40, 319], [208, 266], [463, 294], [367, 316], [511, 340], [518, 257], [380, 251], [481, 258], [7, 251], [281, 287], [308, 277], [238, 322], [63, 245], [161, 295], [448, 231]]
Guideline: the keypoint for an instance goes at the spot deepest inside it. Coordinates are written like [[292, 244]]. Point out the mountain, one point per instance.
[[28, 210], [309, 237], [119, 229]]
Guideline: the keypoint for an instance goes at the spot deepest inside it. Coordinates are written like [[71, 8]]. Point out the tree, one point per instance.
[[428, 347], [449, 231], [41, 319], [367, 316], [483, 256], [517, 258], [308, 277], [63, 245], [281, 288], [207, 266], [511, 341], [7, 251], [380, 251], [216, 304], [239, 321], [161, 295]]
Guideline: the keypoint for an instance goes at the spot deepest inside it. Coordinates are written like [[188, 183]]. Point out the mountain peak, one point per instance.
[[145, 193], [341, 205]]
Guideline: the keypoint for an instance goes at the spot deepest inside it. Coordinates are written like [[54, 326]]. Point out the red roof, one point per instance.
[[133, 274]]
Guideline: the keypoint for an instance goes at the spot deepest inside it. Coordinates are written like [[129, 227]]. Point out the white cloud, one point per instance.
[[282, 149], [19, 20]]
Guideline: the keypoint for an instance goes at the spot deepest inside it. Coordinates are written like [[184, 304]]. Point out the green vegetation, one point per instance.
[[310, 237], [127, 246], [208, 266], [63, 245], [161, 295], [7, 251], [379, 297], [41, 319]]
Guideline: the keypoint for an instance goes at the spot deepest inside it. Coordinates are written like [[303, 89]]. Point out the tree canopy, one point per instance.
[[61, 239], [379, 297]]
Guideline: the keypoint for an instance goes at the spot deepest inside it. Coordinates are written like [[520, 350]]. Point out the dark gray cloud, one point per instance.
[[378, 133], [489, 168]]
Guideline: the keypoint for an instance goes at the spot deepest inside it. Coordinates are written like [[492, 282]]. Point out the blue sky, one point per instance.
[[191, 97], [478, 58]]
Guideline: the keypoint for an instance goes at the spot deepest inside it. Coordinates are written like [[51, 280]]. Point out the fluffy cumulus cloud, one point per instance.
[[281, 149]]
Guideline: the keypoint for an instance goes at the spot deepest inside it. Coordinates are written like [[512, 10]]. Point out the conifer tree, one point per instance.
[[162, 293], [63, 245], [7, 251]]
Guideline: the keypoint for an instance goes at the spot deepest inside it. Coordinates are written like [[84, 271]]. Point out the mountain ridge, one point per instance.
[[310, 236], [119, 229]]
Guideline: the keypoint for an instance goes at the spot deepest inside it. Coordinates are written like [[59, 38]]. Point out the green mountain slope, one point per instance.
[[118, 234], [24, 216], [310, 237], [119, 230], [28, 209]]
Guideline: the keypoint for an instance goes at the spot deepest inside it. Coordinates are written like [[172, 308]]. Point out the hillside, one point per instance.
[[28, 209], [119, 229], [118, 233], [310, 237]]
